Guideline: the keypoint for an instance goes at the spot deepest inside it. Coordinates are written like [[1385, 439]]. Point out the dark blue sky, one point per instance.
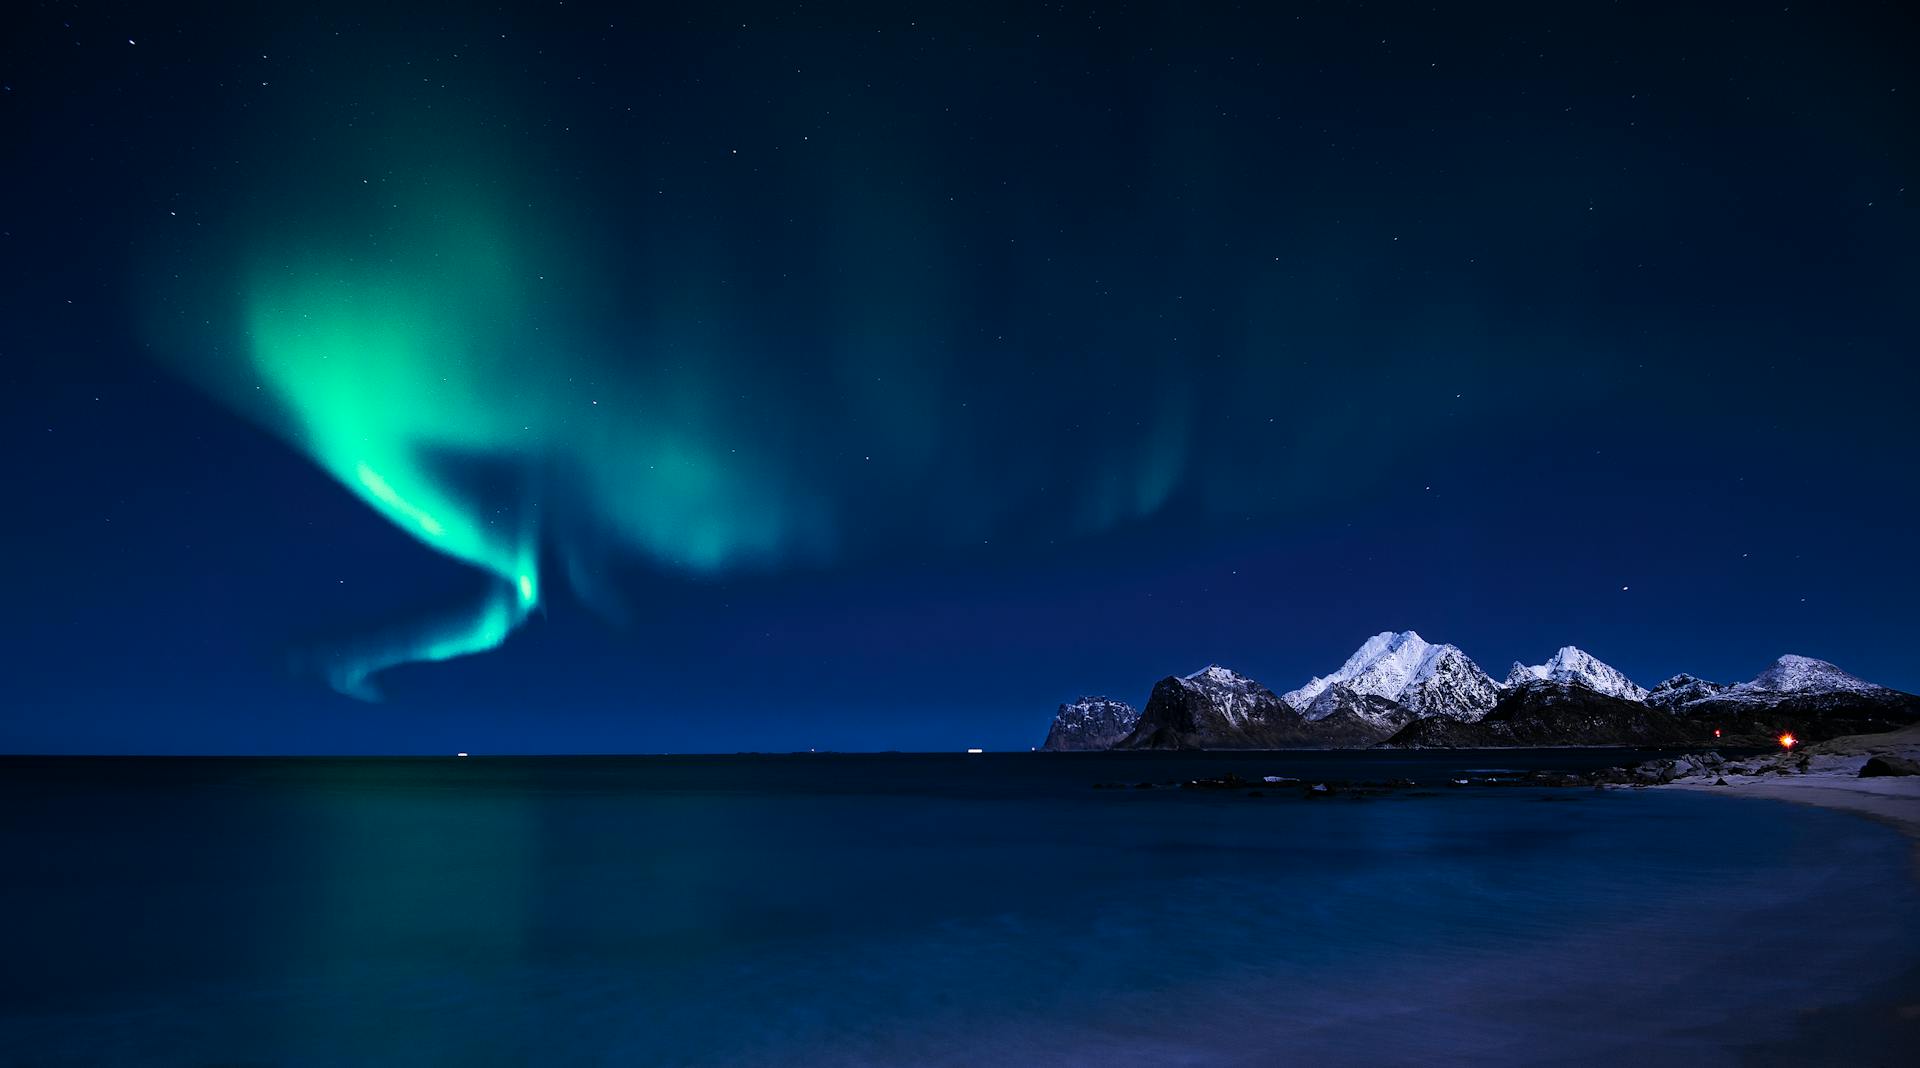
[[1017, 357]]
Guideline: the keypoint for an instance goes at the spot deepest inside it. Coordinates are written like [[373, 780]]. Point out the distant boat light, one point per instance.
[[976, 750], [459, 754], [1788, 741]]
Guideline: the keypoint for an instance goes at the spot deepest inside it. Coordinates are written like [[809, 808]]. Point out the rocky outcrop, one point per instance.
[[1880, 766], [1090, 723]]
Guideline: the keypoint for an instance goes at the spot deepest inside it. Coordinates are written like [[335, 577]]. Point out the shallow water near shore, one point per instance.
[[929, 909]]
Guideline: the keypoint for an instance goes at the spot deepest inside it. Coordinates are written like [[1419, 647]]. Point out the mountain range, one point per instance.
[[1398, 689]]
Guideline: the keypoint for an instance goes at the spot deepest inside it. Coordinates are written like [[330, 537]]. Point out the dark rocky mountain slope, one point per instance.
[[1547, 713]]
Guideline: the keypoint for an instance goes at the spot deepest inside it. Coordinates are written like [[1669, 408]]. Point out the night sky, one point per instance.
[[871, 380]]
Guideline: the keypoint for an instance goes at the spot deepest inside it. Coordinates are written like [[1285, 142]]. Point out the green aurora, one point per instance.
[[415, 330], [392, 371], [531, 361]]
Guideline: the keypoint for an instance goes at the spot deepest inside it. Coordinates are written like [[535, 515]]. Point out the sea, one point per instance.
[[936, 909]]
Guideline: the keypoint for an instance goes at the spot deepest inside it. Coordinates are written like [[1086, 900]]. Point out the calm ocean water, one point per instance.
[[902, 909]]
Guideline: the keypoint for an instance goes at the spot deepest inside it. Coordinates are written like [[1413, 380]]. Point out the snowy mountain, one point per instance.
[[1575, 665], [1090, 723], [1220, 709], [1809, 698], [1788, 679], [1804, 674], [1400, 688], [1214, 708], [1341, 700], [1238, 700], [1404, 668], [1683, 689]]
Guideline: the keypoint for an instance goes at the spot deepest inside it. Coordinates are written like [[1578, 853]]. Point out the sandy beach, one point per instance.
[[1831, 778]]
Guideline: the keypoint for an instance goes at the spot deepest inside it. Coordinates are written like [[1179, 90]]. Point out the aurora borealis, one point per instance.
[[380, 371], [404, 361], [728, 381]]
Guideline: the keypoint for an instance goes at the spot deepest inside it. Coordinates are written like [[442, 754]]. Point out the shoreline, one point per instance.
[[1827, 775], [1885, 1016], [1898, 804]]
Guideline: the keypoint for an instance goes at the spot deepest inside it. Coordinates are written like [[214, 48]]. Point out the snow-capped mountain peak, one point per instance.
[[1381, 666], [1576, 665], [1239, 699], [1520, 673], [1401, 666], [1796, 674], [1791, 682], [1215, 674]]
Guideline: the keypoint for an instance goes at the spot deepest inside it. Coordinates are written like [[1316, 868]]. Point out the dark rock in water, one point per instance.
[[1888, 765], [1090, 723], [1548, 713], [1229, 781]]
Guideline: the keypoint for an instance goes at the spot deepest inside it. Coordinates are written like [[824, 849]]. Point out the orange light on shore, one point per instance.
[[1788, 741]]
